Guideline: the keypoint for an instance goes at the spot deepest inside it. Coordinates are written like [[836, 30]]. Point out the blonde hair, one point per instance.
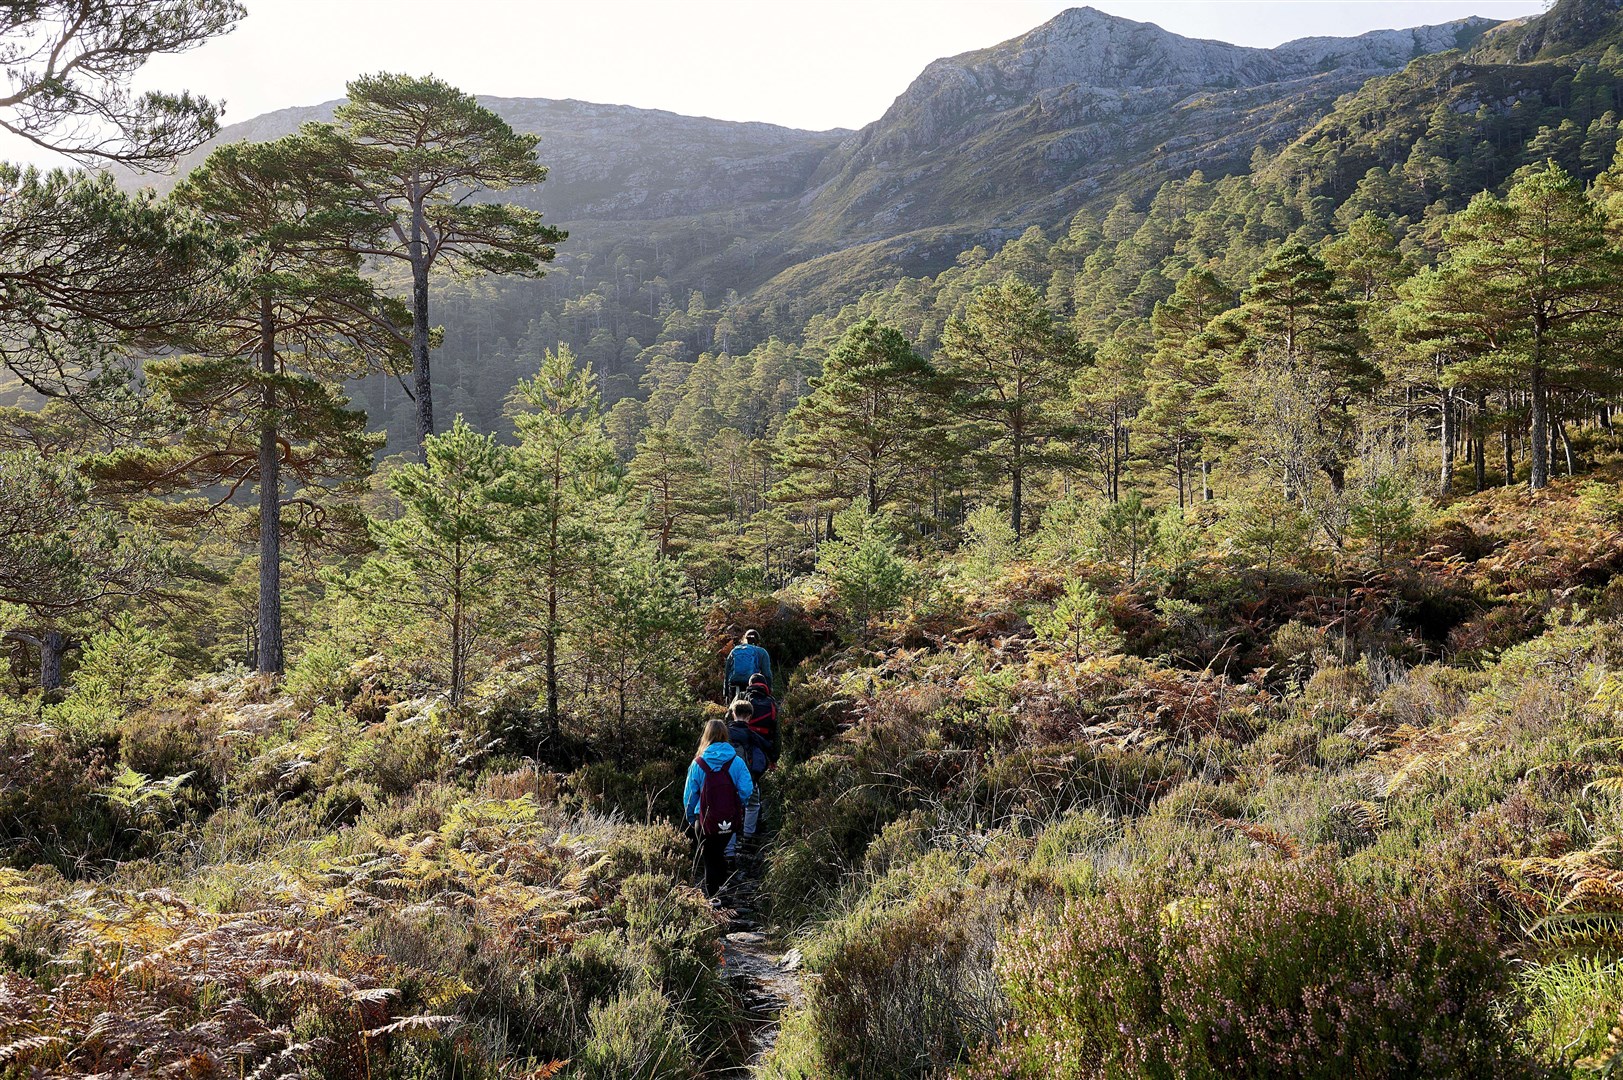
[[715, 730], [743, 710]]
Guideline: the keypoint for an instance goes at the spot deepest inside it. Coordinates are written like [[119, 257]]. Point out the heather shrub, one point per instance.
[[635, 1035], [1270, 971], [906, 984], [49, 808]]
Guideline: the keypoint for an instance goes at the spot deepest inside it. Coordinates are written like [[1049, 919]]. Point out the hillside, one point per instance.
[[1077, 111], [1181, 639], [1081, 110]]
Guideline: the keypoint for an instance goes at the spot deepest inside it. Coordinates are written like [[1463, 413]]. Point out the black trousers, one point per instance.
[[715, 862]]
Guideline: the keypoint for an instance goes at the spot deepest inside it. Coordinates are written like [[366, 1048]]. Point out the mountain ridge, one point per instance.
[[1037, 121]]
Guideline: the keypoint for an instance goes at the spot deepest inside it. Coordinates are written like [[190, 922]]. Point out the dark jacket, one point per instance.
[[764, 724]]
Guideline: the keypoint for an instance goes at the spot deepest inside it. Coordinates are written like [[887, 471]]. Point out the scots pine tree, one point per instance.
[[420, 150], [856, 433], [1006, 366], [264, 398], [1525, 289], [1294, 367], [682, 502], [564, 472], [445, 557], [1179, 375]]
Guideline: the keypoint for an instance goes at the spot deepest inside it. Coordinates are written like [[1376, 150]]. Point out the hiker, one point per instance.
[[753, 732], [718, 786], [746, 659]]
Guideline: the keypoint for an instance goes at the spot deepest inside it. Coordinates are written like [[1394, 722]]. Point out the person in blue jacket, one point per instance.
[[718, 754], [746, 659]]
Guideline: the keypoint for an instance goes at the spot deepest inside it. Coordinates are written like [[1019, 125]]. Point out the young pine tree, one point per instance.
[[868, 576], [683, 504], [444, 559], [564, 471]]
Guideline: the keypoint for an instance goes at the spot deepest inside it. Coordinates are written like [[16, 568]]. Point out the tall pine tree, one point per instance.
[[1007, 365], [419, 150], [266, 396]]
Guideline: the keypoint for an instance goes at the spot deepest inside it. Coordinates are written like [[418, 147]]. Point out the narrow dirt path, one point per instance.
[[768, 979]]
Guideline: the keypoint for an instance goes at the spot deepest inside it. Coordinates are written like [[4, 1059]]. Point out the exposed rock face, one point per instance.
[[1085, 97], [1079, 109]]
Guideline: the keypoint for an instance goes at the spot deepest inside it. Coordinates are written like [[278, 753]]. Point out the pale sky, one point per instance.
[[804, 63]]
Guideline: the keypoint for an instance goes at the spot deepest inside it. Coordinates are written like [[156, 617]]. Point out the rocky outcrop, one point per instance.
[[1078, 103], [1077, 111]]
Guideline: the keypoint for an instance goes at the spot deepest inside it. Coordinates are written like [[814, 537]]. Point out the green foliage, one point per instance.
[[127, 663], [1078, 623], [990, 544], [1285, 972], [439, 563], [319, 676], [636, 1034], [1384, 515], [1005, 365], [862, 567]]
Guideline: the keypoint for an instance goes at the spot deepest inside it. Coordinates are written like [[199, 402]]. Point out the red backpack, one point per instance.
[[720, 810]]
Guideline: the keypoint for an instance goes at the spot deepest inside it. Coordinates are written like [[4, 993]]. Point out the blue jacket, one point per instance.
[[746, 660], [716, 755]]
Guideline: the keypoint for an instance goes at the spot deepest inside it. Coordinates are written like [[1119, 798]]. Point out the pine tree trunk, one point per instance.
[[422, 383], [52, 644], [1016, 495], [1510, 454], [1479, 449], [553, 570], [1017, 483], [1445, 479], [1205, 481], [1177, 464], [1539, 430], [268, 660], [459, 637]]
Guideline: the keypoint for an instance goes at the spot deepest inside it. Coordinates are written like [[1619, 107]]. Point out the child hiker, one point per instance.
[[753, 730]]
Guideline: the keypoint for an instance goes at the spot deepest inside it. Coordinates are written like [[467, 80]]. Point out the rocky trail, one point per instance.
[[769, 980]]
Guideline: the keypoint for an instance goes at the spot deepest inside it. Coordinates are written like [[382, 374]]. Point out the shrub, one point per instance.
[[905, 988], [861, 564], [635, 1035], [1573, 1004], [49, 808], [1078, 622], [1274, 971], [322, 675]]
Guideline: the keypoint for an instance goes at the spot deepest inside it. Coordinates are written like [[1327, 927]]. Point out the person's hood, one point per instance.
[[718, 754]]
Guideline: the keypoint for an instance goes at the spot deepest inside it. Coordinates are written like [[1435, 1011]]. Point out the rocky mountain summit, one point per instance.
[[1081, 109], [1076, 112]]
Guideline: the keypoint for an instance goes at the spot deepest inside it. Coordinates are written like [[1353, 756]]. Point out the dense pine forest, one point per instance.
[[1194, 605]]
